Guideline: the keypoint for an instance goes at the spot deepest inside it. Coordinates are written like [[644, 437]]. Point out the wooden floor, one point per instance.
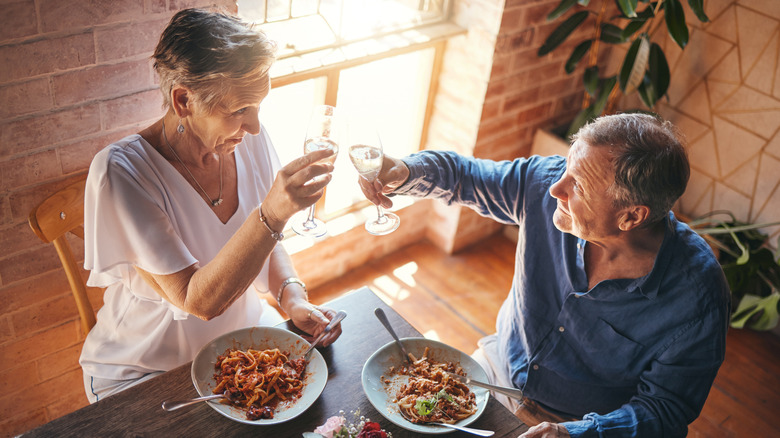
[[455, 299]]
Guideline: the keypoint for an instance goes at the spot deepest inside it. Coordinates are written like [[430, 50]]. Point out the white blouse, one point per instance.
[[140, 211]]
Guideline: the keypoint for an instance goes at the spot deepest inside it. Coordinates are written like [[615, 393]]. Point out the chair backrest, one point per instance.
[[60, 213]]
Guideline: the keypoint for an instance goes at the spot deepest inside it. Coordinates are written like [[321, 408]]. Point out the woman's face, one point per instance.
[[236, 115]]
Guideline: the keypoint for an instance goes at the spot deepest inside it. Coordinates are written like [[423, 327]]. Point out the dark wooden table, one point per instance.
[[137, 412]]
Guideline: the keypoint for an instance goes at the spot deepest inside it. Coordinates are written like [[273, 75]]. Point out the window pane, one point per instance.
[[306, 25], [285, 112], [393, 92]]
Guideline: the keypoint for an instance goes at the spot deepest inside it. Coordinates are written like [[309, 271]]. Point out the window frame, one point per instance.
[[331, 74]]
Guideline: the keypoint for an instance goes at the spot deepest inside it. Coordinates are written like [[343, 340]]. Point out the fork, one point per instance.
[[478, 432], [509, 392]]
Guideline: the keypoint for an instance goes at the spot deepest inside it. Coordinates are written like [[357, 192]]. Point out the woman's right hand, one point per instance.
[[393, 174], [298, 185]]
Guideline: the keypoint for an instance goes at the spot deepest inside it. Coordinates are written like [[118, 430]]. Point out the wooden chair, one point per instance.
[[51, 220]]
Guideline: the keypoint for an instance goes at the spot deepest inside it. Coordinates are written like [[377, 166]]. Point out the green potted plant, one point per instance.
[[752, 268], [644, 68]]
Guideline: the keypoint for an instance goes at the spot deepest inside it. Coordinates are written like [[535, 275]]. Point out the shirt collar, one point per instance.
[[649, 284]]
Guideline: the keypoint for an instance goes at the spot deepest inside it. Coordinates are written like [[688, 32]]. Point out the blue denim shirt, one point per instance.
[[631, 357]]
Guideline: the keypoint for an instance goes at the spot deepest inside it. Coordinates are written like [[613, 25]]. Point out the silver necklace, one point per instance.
[[214, 202]]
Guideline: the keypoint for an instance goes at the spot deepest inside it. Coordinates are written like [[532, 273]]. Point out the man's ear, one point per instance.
[[181, 102], [633, 217]]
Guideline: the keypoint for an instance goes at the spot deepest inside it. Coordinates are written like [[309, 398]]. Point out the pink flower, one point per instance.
[[331, 426]]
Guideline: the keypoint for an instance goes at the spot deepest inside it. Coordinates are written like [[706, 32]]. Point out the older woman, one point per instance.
[[183, 217]]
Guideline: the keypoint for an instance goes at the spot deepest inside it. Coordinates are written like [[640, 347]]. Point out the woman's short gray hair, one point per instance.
[[648, 156], [209, 53]]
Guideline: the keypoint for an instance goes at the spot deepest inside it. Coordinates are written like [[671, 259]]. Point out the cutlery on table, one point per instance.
[[380, 314], [176, 404], [480, 432], [509, 392]]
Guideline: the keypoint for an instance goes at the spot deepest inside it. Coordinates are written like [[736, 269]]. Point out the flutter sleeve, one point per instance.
[[125, 223]]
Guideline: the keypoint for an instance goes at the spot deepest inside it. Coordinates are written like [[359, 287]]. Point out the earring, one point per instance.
[[180, 128]]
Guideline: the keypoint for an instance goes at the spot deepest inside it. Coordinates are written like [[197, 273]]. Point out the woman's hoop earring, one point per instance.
[[180, 128]]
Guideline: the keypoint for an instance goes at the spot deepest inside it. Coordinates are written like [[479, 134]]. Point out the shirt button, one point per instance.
[[536, 367], [561, 329]]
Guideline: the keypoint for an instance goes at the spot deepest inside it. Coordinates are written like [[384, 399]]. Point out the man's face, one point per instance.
[[585, 208]]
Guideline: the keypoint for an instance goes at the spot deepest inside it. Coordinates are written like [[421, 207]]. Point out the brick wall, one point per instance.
[[495, 93], [76, 75]]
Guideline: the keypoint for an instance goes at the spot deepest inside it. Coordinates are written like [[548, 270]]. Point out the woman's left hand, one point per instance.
[[313, 320]]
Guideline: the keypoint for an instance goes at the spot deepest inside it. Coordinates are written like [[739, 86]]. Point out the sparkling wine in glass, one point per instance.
[[321, 133], [366, 155]]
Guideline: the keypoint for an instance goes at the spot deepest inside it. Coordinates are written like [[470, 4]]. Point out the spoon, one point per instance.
[[380, 314], [176, 404]]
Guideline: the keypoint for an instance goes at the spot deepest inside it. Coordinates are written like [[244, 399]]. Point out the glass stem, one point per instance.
[[381, 218], [310, 219]]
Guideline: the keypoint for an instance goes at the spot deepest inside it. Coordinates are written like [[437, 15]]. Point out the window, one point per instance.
[[377, 57]]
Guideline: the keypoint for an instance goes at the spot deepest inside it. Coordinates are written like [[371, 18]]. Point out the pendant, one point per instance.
[[217, 202]]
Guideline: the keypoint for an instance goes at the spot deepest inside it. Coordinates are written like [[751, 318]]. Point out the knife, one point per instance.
[[509, 392]]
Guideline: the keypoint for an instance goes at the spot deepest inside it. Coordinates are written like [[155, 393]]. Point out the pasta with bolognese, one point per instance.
[[431, 395], [258, 380]]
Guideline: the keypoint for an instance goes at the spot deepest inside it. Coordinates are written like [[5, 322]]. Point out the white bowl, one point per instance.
[[381, 395], [260, 338]]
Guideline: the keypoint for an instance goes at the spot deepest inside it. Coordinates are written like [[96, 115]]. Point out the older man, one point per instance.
[[618, 312]]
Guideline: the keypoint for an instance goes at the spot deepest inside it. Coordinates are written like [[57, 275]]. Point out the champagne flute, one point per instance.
[[321, 133], [366, 155]]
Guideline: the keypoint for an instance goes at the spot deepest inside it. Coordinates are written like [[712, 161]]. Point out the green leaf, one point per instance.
[[647, 92], [561, 9], [562, 32], [583, 2], [658, 71], [607, 85], [675, 22], [631, 29], [628, 7], [580, 120], [591, 80], [632, 72], [757, 313], [611, 34], [698, 9], [424, 406], [576, 55]]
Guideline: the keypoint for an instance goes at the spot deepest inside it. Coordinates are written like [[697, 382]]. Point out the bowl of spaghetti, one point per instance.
[[261, 371], [410, 395]]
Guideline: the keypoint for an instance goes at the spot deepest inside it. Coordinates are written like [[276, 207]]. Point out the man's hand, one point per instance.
[[393, 174], [546, 430]]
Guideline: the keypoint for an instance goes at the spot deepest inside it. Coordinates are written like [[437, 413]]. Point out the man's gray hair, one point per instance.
[[648, 156]]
